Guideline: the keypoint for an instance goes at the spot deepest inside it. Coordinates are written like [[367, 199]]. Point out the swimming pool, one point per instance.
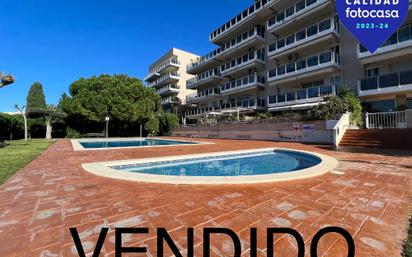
[[238, 167], [101, 144]]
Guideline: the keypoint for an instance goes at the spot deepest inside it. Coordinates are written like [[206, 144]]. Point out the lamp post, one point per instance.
[[107, 126]]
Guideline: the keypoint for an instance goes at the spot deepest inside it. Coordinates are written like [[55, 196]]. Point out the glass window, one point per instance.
[[290, 39], [403, 34], [281, 43], [290, 11], [300, 5], [381, 106], [291, 67], [372, 72], [409, 103], [312, 61], [300, 64], [324, 25], [312, 30], [280, 17], [281, 70], [301, 35], [325, 57]]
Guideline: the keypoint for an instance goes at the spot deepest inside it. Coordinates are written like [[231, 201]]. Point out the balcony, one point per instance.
[[168, 78], [251, 38], [320, 32], [313, 65], [152, 77], [300, 98], [302, 10], [392, 83], [247, 61], [204, 79], [170, 89], [242, 84], [399, 44], [168, 66], [198, 97], [168, 100], [242, 20]]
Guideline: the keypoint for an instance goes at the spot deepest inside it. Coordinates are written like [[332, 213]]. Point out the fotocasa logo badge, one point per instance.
[[372, 22]]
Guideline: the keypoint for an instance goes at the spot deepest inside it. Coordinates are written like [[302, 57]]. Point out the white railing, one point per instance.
[[383, 120], [340, 128]]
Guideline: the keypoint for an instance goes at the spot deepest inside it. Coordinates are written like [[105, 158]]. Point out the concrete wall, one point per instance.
[[290, 131]]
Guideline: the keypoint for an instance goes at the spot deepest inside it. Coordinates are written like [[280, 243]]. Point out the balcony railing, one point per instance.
[[205, 76], [203, 95], [401, 36], [235, 42], [167, 100], [398, 79], [238, 104], [316, 30], [385, 120], [236, 63], [240, 18], [151, 76], [168, 88], [313, 62], [292, 12], [242, 83], [171, 75], [301, 95]]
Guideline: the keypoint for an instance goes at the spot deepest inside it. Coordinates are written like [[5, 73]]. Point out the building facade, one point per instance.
[[285, 55], [168, 76]]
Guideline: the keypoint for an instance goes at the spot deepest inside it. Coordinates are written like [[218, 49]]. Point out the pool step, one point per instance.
[[378, 138]]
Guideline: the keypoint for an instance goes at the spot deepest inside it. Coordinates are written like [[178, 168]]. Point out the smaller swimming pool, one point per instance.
[[98, 144], [235, 167]]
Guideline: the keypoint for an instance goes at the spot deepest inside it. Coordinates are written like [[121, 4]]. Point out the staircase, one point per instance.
[[378, 138]]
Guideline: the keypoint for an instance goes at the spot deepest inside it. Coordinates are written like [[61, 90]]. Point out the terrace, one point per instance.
[[368, 192], [386, 84]]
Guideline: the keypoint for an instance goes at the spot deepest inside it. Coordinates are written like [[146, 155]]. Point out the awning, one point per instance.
[[295, 107]]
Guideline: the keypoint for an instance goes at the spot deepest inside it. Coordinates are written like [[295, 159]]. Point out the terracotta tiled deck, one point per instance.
[[370, 196]]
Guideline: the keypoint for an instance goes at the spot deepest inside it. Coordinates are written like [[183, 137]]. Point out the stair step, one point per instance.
[[382, 138]]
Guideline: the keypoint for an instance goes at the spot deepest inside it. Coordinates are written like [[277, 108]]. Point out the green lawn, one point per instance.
[[18, 154], [408, 245]]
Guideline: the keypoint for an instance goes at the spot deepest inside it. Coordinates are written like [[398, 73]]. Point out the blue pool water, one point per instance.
[[132, 143], [244, 164]]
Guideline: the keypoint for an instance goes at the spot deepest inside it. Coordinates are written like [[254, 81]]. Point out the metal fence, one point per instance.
[[384, 120]]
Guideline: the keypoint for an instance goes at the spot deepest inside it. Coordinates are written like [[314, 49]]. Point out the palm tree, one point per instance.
[[6, 79]]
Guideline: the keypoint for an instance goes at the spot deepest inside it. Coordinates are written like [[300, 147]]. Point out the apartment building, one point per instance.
[[168, 76], [285, 55]]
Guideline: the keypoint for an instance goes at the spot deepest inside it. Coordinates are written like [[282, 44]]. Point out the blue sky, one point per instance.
[[56, 42]]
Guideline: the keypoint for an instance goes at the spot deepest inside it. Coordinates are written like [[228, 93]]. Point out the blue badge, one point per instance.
[[372, 22]]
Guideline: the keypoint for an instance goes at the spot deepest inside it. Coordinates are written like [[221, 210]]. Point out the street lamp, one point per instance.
[[107, 126]]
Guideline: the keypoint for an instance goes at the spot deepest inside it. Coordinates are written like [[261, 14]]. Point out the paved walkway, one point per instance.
[[369, 195]]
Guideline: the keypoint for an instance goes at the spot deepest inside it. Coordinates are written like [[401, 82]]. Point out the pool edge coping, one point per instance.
[[78, 147], [102, 169]]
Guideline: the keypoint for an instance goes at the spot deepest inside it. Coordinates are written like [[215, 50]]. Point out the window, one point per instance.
[[371, 72], [324, 25], [301, 35], [381, 106], [312, 30]]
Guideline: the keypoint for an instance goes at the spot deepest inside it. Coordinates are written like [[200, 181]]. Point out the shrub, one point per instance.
[[168, 123], [72, 133]]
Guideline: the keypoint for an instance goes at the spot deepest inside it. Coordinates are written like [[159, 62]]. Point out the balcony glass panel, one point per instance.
[[272, 99], [301, 35], [313, 61], [389, 80], [301, 94], [324, 25], [300, 64], [281, 70], [369, 84], [312, 30], [281, 43], [325, 57], [281, 98], [404, 34], [291, 96], [290, 11], [291, 67], [300, 6], [405, 77], [290, 39], [326, 90], [313, 92]]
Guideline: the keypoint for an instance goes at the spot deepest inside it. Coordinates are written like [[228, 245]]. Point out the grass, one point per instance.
[[18, 154], [407, 251]]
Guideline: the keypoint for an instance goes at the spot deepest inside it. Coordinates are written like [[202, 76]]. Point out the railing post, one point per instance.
[[367, 120]]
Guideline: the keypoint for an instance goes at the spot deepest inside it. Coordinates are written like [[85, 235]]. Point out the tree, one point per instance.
[[36, 101], [6, 79], [168, 122], [124, 99], [52, 114], [10, 126], [22, 111]]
